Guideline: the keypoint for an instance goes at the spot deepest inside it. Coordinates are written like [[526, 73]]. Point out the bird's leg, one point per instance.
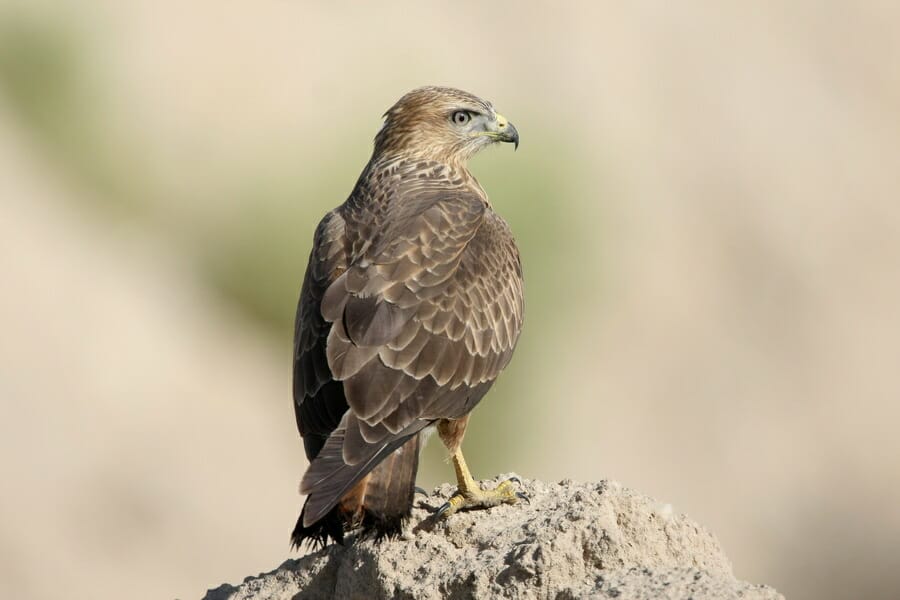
[[470, 494]]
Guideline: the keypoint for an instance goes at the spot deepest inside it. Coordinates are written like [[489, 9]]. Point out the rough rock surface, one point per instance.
[[572, 540]]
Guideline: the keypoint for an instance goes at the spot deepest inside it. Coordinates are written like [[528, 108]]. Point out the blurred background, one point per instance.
[[706, 200]]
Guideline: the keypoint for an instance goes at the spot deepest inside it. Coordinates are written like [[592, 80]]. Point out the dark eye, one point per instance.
[[460, 117]]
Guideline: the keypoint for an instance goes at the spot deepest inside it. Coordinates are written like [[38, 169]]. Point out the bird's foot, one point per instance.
[[473, 496]]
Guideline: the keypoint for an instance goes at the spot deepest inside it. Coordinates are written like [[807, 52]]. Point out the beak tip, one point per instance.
[[514, 135]]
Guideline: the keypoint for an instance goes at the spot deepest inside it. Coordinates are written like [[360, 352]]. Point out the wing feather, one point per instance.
[[319, 403], [454, 326]]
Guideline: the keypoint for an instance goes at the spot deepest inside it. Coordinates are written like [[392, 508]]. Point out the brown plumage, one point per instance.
[[411, 306]]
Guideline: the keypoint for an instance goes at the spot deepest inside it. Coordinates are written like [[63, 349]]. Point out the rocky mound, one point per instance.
[[572, 540]]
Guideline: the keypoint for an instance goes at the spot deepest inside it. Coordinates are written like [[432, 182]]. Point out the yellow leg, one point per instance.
[[469, 493]]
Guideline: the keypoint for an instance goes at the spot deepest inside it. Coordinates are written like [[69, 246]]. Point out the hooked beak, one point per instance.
[[506, 131]]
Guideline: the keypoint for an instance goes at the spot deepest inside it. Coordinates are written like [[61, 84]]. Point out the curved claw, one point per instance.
[[516, 479], [523, 496], [443, 508], [418, 490]]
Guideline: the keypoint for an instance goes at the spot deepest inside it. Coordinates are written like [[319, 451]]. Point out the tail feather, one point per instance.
[[390, 491], [317, 535], [377, 494]]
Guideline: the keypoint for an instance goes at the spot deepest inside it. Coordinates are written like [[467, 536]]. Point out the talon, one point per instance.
[[418, 490], [452, 505], [523, 496], [516, 479]]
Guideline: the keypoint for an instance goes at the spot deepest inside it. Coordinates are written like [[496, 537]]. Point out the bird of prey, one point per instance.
[[411, 306]]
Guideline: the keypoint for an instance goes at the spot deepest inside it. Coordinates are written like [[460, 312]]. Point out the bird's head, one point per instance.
[[442, 123]]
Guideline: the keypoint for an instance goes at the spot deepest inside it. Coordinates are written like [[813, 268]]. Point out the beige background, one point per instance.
[[706, 197]]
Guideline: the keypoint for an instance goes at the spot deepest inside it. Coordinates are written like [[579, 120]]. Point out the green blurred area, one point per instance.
[[48, 80]]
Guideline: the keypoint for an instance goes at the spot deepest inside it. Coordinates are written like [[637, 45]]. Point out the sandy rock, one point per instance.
[[572, 540]]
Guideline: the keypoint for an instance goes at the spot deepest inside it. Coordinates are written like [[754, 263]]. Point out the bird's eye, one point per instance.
[[460, 117]]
